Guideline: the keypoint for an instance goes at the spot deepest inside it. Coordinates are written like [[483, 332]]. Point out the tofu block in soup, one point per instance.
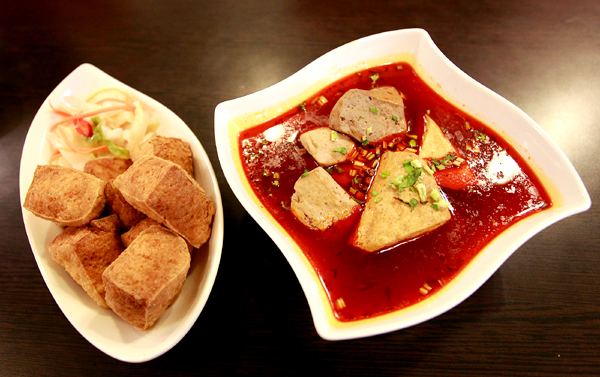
[[327, 146], [435, 144], [369, 114], [388, 189], [319, 201], [404, 206]]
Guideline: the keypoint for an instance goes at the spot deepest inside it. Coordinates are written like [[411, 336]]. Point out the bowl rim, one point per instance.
[[446, 78], [119, 339]]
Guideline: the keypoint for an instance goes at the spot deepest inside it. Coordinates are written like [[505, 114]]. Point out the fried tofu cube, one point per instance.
[[135, 231], [85, 252], [147, 277], [165, 192], [116, 203], [168, 148], [106, 169], [65, 196]]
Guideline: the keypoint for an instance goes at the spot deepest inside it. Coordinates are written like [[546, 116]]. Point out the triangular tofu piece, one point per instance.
[[388, 218], [435, 144]]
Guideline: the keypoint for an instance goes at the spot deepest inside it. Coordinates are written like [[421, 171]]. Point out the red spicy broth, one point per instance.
[[372, 284]]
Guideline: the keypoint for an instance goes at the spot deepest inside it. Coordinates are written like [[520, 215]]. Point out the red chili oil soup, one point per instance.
[[363, 284]]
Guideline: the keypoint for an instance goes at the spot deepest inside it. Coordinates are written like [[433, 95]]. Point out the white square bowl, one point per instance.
[[414, 46]]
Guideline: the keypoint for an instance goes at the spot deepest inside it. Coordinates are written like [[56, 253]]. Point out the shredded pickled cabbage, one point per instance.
[[107, 124]]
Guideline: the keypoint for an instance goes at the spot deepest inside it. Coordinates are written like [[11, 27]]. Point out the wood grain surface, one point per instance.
[[539, 314]]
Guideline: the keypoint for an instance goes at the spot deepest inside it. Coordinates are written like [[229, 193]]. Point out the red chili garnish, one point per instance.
[[83, 127], [456, 178], [360, 195]]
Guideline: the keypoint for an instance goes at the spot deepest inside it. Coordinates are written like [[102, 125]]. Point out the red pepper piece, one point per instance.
[[83, 127], [456, 178]]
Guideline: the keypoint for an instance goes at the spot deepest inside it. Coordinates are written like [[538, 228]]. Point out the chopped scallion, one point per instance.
[[429, 170], [412, 203], [374, 77], [415, 163], [358, 201], [422, 190]]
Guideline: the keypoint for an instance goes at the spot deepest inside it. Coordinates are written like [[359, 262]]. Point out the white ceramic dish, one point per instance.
[[102, 327], [416, 47]]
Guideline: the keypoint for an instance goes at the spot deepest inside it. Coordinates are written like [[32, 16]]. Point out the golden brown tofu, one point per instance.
[[168, 148], [166, 193], [65, 196], [116, 203], [85, 252], [147, 277], [106, 168], [135, 231]]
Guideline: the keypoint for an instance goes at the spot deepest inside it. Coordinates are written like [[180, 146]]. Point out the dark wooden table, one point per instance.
[[539, 314]]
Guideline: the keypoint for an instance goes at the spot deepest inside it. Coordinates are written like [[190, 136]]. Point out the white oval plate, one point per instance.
[[416, 47], [99, 326]]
